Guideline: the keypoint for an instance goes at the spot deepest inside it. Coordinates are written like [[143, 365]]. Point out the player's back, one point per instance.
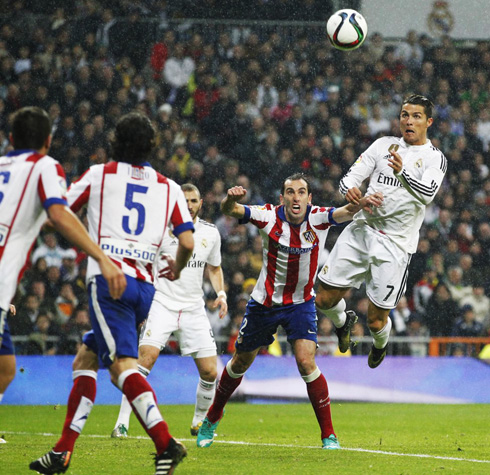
[[29, 183], [129, 208]]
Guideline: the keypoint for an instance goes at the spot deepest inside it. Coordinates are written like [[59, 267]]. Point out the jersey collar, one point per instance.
[[15, 153], [416, 147]]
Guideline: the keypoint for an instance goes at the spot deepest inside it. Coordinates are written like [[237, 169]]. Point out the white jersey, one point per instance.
[[29, 184], [187, 292], [129, 209], [406, 194]]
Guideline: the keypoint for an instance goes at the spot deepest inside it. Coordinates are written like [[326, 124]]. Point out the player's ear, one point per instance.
[[47, 142], [281, 199], [430, 121]]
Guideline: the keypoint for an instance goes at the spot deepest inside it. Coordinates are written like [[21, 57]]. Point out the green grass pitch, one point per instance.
[[267, 439]]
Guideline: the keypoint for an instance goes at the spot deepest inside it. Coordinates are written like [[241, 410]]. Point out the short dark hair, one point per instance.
[[134, 139], [294, 177], [419, 100], [191, 187], [31, 127]]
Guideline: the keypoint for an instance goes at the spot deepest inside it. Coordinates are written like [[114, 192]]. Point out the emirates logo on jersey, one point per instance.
[[309, 236]]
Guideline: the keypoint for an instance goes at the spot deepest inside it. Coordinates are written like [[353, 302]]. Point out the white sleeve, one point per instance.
[[214, 257], [361, 169], [425, 188]]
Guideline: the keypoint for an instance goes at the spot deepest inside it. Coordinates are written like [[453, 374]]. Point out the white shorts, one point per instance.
[[191, 328], [362, 254]]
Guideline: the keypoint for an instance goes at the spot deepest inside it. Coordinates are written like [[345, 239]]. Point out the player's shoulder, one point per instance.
[[388, 140], [207, 224], [436, 157]]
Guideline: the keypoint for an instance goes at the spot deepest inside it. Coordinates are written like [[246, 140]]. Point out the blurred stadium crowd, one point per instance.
[[249, 104]]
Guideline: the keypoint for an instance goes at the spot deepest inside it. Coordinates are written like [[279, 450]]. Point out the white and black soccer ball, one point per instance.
[[346, 29]]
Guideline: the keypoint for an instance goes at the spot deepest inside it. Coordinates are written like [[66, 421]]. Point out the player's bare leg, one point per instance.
[[230, 379], [379, 325], [206, 389], [7, 372], [330, 302], [316, 385]]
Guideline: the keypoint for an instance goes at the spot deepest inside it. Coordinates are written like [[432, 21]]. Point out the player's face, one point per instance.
[[295, 200], [414, 124], [194, 203]]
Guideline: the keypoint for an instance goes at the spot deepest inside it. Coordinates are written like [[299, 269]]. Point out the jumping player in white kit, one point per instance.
[[129, 207], [376, 248], [178, 308], [33, 187]]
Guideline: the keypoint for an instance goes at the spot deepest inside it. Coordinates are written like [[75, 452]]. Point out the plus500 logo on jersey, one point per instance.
[[128, 249]]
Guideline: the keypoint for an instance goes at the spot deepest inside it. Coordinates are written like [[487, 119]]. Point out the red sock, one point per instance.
[[225, 389], [320, 400], [83, 386], [135, 385]]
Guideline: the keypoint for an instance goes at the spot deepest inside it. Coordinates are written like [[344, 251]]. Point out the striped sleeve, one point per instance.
[[51, 186], [79, 191], [426, 188]]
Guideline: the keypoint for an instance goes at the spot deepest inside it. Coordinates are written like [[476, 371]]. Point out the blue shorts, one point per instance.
[[6, 345], [115, 322], [260, 323]]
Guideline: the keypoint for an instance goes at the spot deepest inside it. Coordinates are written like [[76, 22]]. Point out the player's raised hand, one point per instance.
[[353, 195], [236, 193], [395, 162], [230, 205], [116, 280]]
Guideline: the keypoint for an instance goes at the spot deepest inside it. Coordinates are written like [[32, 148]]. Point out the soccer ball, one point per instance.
[[346, 29]]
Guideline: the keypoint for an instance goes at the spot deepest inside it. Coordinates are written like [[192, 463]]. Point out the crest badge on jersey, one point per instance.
[[310, 236], [204, 243], [394, 147], [418, 163]]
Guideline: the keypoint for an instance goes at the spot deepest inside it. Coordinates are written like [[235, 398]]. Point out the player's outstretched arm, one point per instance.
[[68, 225], [367, 203], [230, 205], [218, 283]]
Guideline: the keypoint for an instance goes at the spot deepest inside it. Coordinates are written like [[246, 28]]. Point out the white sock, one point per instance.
[[336, 314], [380, 339], [204, 398], [125, 410], [1, 397]]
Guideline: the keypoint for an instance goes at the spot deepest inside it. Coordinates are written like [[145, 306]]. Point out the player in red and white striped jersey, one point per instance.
[[293, 234], [33, 187], [130, 206]]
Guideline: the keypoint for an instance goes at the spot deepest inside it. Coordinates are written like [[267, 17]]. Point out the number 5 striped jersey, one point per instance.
[[129, 208]]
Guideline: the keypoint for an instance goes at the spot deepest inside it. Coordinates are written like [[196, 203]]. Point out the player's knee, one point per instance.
[[325, 298], [306, 365]]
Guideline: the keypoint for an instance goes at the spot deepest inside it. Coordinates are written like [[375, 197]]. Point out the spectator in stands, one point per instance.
[[441, 311], [49, 250]]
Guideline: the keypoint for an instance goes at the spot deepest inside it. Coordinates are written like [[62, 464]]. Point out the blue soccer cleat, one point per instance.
[[205, 436], [330, 443]]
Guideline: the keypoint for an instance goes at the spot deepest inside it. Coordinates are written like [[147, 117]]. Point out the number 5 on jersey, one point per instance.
[[131, 204]]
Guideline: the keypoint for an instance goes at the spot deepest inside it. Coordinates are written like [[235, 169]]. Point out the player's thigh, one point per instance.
[[113, 321], [195, 334], [161, 323], [348, 261], [258, 327], [387, 279]]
